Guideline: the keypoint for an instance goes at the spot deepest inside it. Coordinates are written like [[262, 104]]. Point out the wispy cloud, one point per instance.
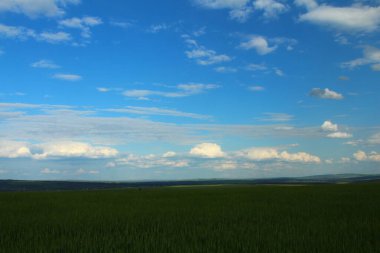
[[47, 64], [158, 111], [67, 77], [223, 69], [371, 56], [202, 55], [180, 90], [276, 117], [256, 88], [84, 24]]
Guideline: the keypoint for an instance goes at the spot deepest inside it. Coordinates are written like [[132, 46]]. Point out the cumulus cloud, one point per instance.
[[72, 149], [207, 150], [264, 45], [371, 56], [241, 10], [325, 94], [329, 126], [84, 24], [355, 18], [339, 135], [63, 149], [270, 8], [36, 8], [363, 156], [46, 64], [169, 154], [260, 44], [13, 149], [265, 154], [67, 77]]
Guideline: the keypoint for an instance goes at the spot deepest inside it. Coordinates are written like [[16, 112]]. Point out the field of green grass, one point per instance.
[[313, 218]]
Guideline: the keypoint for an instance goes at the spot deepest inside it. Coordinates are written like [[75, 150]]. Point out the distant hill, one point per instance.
[[24, 185]]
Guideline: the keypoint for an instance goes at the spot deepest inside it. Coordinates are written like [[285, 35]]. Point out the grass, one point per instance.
[[318, 218]]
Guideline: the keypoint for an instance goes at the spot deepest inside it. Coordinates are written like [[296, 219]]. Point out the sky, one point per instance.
[[190, 89]]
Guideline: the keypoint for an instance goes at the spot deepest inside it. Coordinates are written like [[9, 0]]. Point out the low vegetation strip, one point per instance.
[[311, 218]]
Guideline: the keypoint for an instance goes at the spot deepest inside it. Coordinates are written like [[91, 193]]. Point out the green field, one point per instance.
[[315, 218]]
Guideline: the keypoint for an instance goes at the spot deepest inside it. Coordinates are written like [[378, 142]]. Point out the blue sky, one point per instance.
[[151, 90]]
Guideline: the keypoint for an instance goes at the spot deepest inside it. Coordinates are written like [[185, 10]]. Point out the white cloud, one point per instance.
[[256, 88], [371, 55], [49, 171], [35, 8], [222, 4], [270, 8], [355, 18], [169, 154], [54, 37], [256, 67], [151, 161], [121, 24], [83, 171], [278, 72], [158, 111], [207, 150], [67, 77], [205, 56], [158, 28], [13, 149], [242, 14], [72, 149], [62, 149], [374, 139], [22, 33], [339, 135], [265, 154], [47, 64], [325, 94], [83, 24], [202, 55], [181, 90], [308, 4], [260, 44], [102, 89], [329, 126], [276, 117], [376, 67], [363, 156], [225, 70]]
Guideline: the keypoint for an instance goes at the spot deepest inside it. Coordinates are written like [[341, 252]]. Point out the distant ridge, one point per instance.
[[40, 185]]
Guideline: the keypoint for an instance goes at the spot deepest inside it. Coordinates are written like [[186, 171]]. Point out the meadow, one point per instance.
[[304, 218]]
